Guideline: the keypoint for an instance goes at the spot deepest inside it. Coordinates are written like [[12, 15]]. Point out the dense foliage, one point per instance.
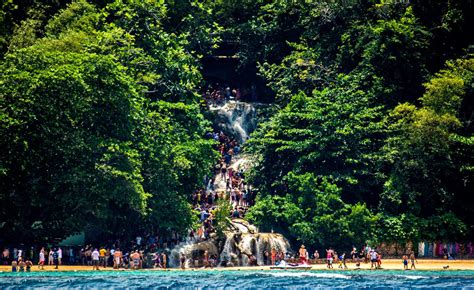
[[371, 143], [372, 139], [100, 124]]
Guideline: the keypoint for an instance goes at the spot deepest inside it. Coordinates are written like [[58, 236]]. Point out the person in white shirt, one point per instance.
[[41, 259], [50, 257], [95, 259], [60, 255], [373, 259]]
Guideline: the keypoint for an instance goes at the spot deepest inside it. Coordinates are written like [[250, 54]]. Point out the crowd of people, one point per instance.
[[237, 192], [139, 258], [96, 257], [366, 254], [217, 94]]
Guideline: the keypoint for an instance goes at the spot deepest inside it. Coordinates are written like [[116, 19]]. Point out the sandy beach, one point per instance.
[[389, 264]]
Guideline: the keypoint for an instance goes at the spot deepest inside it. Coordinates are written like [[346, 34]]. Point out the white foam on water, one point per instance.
[[413, 277], [307, 274]]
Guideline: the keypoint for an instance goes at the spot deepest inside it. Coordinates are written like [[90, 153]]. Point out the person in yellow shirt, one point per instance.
[[102, 256]]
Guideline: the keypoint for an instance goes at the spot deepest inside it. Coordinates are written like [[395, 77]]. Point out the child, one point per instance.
[[340, 261], [405, 262], [343, 260], [379, 261]]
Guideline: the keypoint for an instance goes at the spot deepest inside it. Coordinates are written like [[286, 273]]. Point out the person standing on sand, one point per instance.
[[117, 258], [50, 257], [266, 258], [163, 259], [182, 261], [72, 259], [373, 259], [60, 255], [55, 258], [6, 256], [28, 264], [342, 261], [21, 264], [354, 254], [273, 256], [343, 258], [303, 254], [405, 262], [102, 257], [14, 266], [316, 255], [95, 260], [206, 259], [329, 257], [41, 259], [413, 260], [135, 257]]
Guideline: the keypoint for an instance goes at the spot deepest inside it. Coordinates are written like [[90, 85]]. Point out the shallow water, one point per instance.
[[241, 279]]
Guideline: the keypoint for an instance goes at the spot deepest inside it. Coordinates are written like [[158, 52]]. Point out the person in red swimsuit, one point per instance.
[[303, 254]]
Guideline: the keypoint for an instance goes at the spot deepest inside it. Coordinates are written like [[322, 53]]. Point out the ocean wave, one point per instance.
[[307, 274], [413, 277]]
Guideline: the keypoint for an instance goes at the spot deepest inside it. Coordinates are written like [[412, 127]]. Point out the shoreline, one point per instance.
[[389, 264]]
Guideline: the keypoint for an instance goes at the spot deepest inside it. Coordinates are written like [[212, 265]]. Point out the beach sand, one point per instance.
[[389, 264]]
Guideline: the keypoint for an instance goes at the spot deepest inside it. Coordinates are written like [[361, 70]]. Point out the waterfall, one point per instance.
[[236, 118], [192, 251], [249, 245], [182, 248], [209, 186], [225, 255]]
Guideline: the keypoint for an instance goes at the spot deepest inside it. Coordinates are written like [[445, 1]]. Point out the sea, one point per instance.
[[233, 279]]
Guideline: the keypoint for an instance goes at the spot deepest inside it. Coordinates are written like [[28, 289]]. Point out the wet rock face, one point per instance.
[[242, 241], [237, 119], [242, 226]]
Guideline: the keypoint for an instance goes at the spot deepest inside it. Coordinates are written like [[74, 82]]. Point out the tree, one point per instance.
[[67, 126], [102, 125], [427, 177]]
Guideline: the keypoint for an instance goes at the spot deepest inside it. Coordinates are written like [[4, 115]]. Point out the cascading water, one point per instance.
[[238, 119], [192, 250]]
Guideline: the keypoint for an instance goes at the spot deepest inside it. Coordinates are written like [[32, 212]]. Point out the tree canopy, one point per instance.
[[372, 139], [100, 123]]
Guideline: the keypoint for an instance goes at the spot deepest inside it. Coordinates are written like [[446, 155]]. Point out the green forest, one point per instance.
[[103, 128]]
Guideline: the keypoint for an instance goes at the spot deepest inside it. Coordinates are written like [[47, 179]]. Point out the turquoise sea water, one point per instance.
[[276, 279]]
